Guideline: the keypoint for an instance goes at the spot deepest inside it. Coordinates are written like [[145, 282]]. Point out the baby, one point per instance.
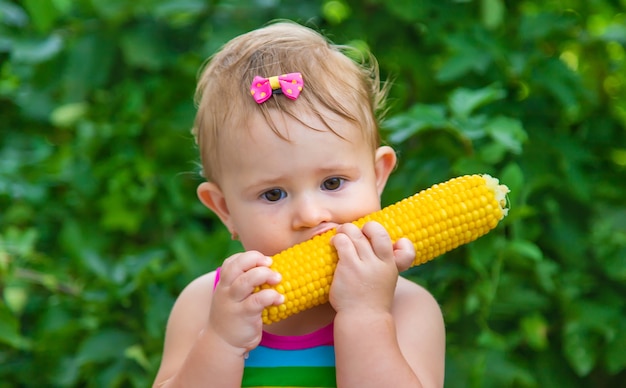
[[287, 128]]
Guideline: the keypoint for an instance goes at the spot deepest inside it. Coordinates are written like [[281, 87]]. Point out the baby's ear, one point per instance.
[[212, 197], [384, 163]]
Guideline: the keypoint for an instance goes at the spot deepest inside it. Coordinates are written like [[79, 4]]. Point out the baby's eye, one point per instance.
[[332, 184], [274, 195]]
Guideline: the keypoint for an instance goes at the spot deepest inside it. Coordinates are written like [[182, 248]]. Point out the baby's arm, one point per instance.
[[210, 331], [388, 330]]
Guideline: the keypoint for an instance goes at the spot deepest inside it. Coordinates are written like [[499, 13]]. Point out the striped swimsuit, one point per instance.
[[292, 361]]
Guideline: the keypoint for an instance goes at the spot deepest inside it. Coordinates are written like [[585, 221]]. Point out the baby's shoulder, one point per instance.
[[199, 290], [407, 285], [200, 286], [409, 293]]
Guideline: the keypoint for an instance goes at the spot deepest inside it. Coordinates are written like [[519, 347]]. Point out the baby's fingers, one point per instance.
[[258, 301], [240, 263], [379, 240], [246, 283], [404, 253]]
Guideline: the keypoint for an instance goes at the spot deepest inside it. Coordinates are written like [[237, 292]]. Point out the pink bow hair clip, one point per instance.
[[288, 84]]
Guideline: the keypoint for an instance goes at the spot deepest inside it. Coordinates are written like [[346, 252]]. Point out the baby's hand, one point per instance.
[[368, 267], [236, 309]]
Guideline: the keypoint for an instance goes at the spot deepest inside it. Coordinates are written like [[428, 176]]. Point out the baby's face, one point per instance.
[[280, 193]]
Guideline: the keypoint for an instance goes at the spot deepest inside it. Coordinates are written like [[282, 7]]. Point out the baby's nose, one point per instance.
[[309, 212]]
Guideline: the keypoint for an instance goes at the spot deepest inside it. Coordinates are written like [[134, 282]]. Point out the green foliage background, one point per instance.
[[100, 228]]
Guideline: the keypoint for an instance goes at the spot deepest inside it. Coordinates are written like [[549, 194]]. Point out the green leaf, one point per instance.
[[107, 344], [472, 52], [541, 25], [517, 296], [96, 264], [335, 11], [137, 354], [492, 153], [492, 340], [460, 64], [463, 102], [42, 12], [615, 354], [36, 50], [609, 241], [472, 165], [68, 115], [12, 14], [580, 349], [113, 9], [9, 329], [547, 275], [63, 6], [18, 242], [492, 13], [525, 249], [507, 132], [563, 84], [504, 370], [420, 117], [89, 65], [66, 373], [174, 9], [16, 298], [535, 330], [409, 10], [589, 325], [145, 47], [157, 311], [615, 33]]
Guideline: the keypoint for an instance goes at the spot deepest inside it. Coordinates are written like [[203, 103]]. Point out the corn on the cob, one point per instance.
[[436, 220]]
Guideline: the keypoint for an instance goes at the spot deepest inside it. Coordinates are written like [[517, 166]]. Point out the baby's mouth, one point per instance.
[[323, 229]]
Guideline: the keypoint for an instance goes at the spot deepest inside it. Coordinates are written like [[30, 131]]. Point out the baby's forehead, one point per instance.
[[295, 150], [278, 123]]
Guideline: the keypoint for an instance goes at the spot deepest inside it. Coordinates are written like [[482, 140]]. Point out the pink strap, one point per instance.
[[320, 337], [217, 277]]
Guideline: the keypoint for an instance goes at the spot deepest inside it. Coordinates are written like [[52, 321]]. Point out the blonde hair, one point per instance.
[[333, 82]]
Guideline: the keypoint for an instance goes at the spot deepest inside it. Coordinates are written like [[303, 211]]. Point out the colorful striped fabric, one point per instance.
[[284, 361]]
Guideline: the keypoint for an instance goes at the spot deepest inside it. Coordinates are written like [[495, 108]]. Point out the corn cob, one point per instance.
[[436, 220]]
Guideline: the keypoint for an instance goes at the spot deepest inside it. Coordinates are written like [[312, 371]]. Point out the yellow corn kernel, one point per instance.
[[436, 220]]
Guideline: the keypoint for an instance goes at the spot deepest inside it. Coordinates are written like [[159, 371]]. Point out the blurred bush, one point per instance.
[[100, 228]]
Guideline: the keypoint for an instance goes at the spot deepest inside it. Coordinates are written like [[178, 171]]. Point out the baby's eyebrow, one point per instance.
[[321, 171], [337, 169], [264, 183]]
